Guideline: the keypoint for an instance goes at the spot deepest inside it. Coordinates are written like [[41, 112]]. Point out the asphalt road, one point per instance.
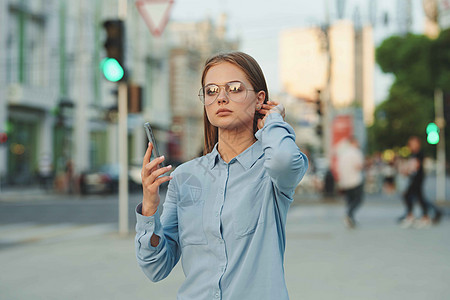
[[45, 255], [61, 208]]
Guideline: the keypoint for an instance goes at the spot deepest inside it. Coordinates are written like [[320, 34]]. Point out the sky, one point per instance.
[[258, 25]]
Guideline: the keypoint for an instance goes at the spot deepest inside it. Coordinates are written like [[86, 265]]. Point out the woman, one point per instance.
[[225, 212]]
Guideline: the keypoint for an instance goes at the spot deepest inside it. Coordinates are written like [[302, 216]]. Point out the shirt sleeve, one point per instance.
[[284, 162], [157, 262]]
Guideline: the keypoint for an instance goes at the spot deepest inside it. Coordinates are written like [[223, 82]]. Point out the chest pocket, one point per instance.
[[190, 212], [250, 209], [190, 224]]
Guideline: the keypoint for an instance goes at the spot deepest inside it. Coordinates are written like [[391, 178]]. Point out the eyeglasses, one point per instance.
[[235, 91]]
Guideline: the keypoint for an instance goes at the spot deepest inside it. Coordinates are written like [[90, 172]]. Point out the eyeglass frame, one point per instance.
[[202, 96]]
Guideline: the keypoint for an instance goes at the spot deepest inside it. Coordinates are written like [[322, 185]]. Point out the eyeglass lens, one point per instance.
[[236, 91]]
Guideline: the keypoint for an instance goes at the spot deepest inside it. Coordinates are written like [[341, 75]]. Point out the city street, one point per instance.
[[68, 248], [325, 97]]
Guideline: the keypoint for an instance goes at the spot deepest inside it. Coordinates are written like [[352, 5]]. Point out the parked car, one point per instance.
[[105, 179]]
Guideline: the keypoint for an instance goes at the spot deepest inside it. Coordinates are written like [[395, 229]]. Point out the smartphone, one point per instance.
[[151, 138]]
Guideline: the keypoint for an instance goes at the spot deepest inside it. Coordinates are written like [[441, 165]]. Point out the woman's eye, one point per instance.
[[235, 88], [211, 91]]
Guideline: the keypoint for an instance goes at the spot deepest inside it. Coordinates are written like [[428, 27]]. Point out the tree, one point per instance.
[[419, 65], [405, 113]]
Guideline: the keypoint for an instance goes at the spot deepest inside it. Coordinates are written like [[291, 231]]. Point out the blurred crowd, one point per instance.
[[384, 173]]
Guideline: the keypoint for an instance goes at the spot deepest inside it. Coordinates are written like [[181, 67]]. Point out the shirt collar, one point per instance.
[[247, 158], [213, 157]]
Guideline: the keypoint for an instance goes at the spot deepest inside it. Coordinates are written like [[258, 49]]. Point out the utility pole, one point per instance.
[[326, 94], [440, 151], [81, 130], [123, 141]]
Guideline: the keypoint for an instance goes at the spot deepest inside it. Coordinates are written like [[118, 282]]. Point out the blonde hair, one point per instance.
[[254, 75]]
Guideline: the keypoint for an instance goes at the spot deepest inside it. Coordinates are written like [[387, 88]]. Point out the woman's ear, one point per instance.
[[260, 96]]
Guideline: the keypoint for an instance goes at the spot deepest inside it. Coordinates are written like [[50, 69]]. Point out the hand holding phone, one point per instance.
[[152, 177], [151, 138]]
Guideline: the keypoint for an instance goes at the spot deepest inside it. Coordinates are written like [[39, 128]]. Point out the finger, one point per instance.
[[161, 180], [260, 123], [155, 174], [269, 106], [147, 155], [153, 185], [263, 111], [152, 165]]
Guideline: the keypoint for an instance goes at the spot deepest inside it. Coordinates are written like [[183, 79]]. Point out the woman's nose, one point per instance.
[[222, 97]]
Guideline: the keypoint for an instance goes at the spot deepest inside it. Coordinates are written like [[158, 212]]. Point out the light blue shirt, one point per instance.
[[227, 220]]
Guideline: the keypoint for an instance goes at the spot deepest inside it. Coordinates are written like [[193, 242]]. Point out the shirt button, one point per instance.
[[217, 214], [217, 295], [150, 222]]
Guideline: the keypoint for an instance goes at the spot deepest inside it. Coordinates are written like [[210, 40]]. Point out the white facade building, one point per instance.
[[55, 101]]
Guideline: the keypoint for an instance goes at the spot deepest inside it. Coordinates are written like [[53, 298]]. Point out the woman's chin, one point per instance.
[[231, 125]]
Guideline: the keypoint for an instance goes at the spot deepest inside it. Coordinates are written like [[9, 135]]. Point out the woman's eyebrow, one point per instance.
[[223, 83]]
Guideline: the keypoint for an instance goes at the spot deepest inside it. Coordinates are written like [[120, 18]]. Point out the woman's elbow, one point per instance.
[[302, 165], [295, 164], [153, 272]]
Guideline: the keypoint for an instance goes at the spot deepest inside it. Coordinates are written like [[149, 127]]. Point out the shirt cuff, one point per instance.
[[150, 223], [149, 226], [273, 117]]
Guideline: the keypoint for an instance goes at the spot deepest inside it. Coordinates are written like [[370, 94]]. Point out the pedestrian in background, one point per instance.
[[414, 190], [45, 172], [225, 212], [69, 177], [350, 177], [389, 172]]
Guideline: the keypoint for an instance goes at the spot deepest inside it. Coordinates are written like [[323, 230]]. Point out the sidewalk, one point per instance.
[[30, 193], [36, 194], [323, 260]]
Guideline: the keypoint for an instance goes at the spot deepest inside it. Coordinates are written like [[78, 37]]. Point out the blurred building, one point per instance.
[[430, 8], [330, 71], [55, 102], [192, 43], [304, 64], [444, 14], [304, 118], [437, 14]]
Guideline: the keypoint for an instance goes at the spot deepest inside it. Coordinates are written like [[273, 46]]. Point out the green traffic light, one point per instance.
[[432, 133], [433, 138], [112, 70], [432, 127]]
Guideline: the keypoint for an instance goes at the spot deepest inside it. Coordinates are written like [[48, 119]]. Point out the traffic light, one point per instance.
[[134, 98], [112, 66], [432, 134], [318, 101], [319, 108], [3, 137], [319, 130], [112, 70]]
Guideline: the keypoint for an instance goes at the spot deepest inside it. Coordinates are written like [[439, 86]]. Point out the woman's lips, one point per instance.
[[223, 112]]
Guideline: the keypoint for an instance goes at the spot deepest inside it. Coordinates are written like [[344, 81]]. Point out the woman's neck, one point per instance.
[[234, 142]]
